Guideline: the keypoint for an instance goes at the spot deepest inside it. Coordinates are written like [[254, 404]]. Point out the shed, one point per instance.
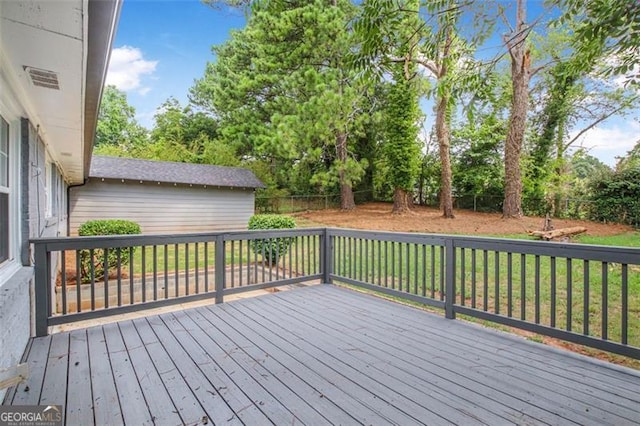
[[164, 197]]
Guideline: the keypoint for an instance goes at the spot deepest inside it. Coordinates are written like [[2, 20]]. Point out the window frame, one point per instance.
[[10, 112], [5, 190]]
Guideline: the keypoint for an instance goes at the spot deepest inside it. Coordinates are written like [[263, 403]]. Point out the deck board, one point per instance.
[[54, 387], [79, 394], [132, 402], [333, 390], [600, 374], [223, 355], [276, 353], [155, 393], [363, 386], [597, 392], [319, 355], [387, 386], [233, 383], [203, 380], [106, 405], [428, 373], [28, 392], [566, 401], [186, 403], [405, 379], [590, 375]]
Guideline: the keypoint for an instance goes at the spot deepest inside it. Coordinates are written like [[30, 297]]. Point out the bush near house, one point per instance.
[[271, 249], [92, 262]]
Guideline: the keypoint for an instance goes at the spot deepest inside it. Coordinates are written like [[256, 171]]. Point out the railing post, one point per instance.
[[326, 257], [42, 289], [450, 279], [220, 268]]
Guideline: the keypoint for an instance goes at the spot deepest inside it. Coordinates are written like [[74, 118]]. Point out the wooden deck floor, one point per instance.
[[318, 355]]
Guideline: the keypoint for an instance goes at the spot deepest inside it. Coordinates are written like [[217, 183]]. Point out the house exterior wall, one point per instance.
[[28, 216], [161, 208]]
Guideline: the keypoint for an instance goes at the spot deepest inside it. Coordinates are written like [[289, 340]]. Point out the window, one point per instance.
[[4, 190], [54, 190]]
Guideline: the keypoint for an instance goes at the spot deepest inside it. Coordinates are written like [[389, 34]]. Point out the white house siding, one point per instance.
[[161, 208]]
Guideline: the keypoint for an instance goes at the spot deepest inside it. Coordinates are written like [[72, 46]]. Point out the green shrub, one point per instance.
[[105, 227], [272, 248], [616, 197]]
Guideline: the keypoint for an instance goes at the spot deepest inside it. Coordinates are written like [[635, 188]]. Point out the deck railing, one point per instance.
[[584, 294], [149, 271]]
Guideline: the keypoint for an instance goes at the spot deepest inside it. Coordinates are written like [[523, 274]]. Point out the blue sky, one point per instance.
[[161, 46]]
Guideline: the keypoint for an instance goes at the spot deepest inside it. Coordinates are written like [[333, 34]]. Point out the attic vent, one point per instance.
[[43, 78]]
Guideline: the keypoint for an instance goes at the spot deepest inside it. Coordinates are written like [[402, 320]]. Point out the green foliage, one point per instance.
[[616, 197], [267, 199], [183, 126], [108, 227], [272, 249], [478, 159], [609, 28], [283, 94], [401, 148], [180, 135], [631, 160], [116, 123], [96, 264]]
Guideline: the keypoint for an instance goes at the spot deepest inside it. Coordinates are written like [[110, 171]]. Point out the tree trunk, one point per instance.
[[560, 171], [347, 201], [442, 133], [346, 197], [421, 186], [520, 72], [400, 201]]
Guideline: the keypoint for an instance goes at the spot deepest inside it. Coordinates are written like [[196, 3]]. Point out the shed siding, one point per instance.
[[161, 208]]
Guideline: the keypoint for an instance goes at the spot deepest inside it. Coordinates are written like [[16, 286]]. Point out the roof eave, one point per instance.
[[103, 19], [209, 185]]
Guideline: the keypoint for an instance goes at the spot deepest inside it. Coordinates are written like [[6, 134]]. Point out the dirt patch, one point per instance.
[[378, 216]]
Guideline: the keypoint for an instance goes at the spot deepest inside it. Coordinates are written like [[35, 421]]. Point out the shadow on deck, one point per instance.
[[318, 355]]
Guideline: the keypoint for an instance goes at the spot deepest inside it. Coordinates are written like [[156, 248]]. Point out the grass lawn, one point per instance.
[[627, 239]]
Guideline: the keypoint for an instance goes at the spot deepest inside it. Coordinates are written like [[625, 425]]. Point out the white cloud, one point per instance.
[[126, 68], [607, 143]]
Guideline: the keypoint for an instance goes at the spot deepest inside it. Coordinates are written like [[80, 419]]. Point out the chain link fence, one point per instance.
[[301, 203], [570, 208]]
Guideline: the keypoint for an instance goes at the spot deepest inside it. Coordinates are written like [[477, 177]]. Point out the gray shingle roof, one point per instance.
[[170, 172]]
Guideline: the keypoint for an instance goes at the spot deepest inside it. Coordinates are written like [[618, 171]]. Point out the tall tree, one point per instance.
[[520, 73], [431, 39], [400, 147], [391, 33], [116, 121], [574, 98], [281, 90]]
